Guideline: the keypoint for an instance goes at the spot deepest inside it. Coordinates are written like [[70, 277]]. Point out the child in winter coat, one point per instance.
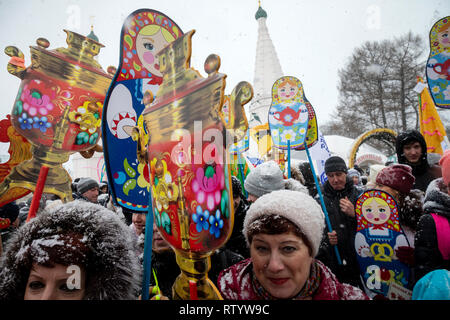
[[432, 239]]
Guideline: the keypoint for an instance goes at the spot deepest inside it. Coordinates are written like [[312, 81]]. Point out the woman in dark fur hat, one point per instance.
[[77, 250]]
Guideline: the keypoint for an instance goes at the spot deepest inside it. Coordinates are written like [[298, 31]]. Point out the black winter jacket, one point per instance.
[[426, 253], [422, 170], [345, 227]]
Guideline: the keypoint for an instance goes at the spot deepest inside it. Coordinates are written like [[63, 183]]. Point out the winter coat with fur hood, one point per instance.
[[235, 283], [111, 264], [427, 255]]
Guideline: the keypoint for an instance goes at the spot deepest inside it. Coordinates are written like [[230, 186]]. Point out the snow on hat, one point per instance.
[[335, 163], [265, 178], [445, 166], [398, 177], [353, 173], [86, 184], [299, 208]]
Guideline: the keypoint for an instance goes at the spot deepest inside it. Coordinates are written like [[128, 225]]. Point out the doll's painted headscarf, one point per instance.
[[144, 22], [382, 198]]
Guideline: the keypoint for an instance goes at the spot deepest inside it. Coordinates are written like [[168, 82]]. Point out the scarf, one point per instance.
[[308, 290]]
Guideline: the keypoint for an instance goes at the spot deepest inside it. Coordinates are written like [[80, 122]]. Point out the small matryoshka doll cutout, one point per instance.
[[438, 64], [137, 80], [378, 235], [291, 116]]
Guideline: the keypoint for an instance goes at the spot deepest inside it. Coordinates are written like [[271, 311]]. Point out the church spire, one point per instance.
[[267, 71]]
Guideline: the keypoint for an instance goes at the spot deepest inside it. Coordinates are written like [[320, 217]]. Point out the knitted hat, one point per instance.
[[86, 184], [299, 208], [265, 178], [335, 163], [445, 166], [353, 173], [398, 177]]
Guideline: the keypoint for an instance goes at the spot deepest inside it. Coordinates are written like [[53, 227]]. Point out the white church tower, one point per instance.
[[267, 71]]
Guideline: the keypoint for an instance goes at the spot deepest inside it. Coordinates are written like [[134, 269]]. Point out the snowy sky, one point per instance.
[[313, 39]]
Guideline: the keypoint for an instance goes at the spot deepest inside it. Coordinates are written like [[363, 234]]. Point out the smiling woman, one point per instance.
[[283, 230]]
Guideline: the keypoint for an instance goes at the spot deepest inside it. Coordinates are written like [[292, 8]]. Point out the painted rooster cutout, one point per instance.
[[19, 150]]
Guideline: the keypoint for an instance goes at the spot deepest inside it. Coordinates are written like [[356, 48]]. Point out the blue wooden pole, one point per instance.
[[289, 158], [324, 208], [148, 252]]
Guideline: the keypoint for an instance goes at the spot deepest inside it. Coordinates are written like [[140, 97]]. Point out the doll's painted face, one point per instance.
[[287, 91], [147, 46], [376, 211], [444, 37]]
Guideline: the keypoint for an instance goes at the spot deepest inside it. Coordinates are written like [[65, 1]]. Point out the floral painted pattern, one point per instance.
[[41, 123], [208, 184], [88, 118], [224, 204], [33, 99], [216, 223], [25, 122], [201, 218], [163, 220]]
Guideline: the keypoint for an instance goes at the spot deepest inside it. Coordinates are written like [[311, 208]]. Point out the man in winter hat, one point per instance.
[[411, 149], [340, 195], [88, 189]]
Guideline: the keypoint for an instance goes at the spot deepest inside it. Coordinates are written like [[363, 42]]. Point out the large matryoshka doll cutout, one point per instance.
[[438, 64], [292, 120], [378, 235], [144, 33]]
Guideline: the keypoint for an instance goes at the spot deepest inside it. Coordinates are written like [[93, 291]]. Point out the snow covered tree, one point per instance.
[[376, 87]]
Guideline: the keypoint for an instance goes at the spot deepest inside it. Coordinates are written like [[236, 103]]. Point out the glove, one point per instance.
[[405, 254]]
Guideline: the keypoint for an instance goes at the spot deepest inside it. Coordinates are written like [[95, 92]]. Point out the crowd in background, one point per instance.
[[280, 246]]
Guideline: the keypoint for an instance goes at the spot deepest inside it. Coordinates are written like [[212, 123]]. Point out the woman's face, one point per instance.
[[281, 263], [56, 283]]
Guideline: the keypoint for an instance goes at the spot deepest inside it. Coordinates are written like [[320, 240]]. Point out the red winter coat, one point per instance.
[[235, 283]]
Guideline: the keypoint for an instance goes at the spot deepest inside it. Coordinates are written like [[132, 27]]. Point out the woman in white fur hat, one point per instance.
[[283, 230]]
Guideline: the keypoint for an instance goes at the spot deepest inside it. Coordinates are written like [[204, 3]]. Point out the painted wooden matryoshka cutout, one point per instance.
[[292, 119], [378, 235], [144, 33], [438, 64]]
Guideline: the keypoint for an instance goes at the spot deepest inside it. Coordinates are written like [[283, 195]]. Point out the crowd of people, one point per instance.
[[280, 246]]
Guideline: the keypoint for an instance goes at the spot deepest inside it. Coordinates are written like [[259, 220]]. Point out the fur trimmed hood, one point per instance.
[[436, 199], [112, 268]]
